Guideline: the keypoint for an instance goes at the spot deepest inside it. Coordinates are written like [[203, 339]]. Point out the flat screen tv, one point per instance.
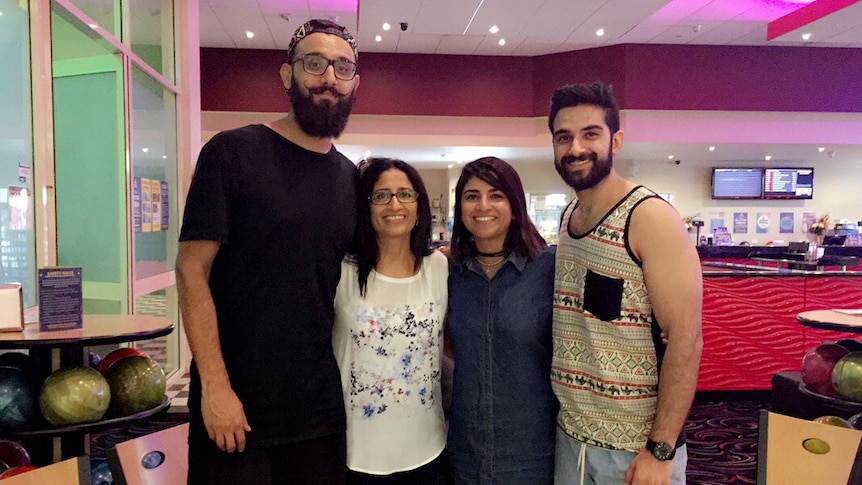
[[737, 183], [788, 183]]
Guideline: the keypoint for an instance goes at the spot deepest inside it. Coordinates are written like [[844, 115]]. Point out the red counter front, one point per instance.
[[750, 330]]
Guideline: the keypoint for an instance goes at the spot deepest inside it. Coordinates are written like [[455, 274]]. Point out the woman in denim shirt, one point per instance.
[[501, 285]]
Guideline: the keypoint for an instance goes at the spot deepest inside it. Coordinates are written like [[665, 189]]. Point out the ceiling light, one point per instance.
[[367, 154], [1, 14], [164, 157], [712, 149], [821, 149], [600, 32], [768, 157], [806, 36], [501, 42], [494, 29], [386, 26], [145, 149], [377, 38], [249, 34], [450, 165], [670, 157]]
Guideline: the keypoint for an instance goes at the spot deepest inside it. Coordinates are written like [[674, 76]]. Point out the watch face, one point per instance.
[[662, 451]]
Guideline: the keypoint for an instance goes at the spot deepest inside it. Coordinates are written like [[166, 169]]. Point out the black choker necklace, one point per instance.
[[491, 255]]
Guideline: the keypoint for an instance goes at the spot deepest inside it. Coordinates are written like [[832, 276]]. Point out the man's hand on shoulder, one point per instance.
[[645, 469]]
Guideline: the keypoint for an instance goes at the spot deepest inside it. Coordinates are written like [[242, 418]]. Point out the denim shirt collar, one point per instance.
[[518, 261]]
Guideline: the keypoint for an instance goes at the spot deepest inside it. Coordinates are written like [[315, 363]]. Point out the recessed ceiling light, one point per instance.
[[806, 36], [1, 14], [821, 149], [377, 38], [768, 157], [670, 157], [249, 34], [386, 26], [494, 29], [712, 149], [501, 42], [600, 32], [450, 165], [145, 149], [165, 157]]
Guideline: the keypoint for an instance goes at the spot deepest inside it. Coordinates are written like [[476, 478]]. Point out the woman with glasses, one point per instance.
[[501, 285], [389, 310]]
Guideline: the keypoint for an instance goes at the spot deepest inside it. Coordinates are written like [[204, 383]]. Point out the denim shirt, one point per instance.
[[503, 415]]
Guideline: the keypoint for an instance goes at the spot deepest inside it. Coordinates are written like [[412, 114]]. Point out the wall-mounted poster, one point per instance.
[[136, 204], [740, 222], [808, 218], [165, 206], [146, 206], [156, 205], [785, 223], [762, 222]]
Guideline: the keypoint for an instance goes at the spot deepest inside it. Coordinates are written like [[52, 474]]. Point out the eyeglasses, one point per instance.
[[316, 64], [382, 197]]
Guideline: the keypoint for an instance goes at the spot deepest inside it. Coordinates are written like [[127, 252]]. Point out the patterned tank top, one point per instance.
[[605, 363]]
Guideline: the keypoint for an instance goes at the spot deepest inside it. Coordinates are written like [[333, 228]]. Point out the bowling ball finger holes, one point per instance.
[[152, 460], [816, 446]]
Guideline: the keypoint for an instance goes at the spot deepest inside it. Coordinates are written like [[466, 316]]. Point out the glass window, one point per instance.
[[154, 183], [546, 210], [17, 233], [151, 34], [164, 350], [103, 13]]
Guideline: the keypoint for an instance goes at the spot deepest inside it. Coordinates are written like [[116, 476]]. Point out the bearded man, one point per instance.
[[269, 216], [626, 273]]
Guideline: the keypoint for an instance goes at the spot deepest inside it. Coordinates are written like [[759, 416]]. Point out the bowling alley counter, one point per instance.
[[750, 330]]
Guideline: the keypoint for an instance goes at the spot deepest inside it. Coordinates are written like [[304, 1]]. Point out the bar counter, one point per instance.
[[750, 330]]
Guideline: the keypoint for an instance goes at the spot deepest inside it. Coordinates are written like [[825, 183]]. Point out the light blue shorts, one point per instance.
[[602, 466]]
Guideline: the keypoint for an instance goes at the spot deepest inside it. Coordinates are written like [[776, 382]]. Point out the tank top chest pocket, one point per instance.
[[603, 296]]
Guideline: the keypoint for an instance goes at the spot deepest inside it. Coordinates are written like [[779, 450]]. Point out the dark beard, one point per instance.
[[322, 120], [601, 168]]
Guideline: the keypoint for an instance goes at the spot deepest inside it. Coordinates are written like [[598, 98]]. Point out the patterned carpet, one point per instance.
[[722, 437]]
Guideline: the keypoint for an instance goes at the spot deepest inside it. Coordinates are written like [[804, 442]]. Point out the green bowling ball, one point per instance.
[[137, 384], [74, 395], [847, 377]]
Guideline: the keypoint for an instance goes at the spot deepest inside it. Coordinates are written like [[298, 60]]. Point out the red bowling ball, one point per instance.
[[817, 367]]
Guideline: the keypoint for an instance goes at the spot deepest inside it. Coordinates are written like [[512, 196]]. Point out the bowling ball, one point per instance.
[[847, 377], [137, 384], [855, 421], [833, 421], [817, 367], [112, 357], [13, 453], [100, 472], [850, 344], [17, 470], [74, 395], [17, 398], [19, 360]]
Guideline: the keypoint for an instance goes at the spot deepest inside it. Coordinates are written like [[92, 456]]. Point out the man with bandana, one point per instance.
[[269, 216], [626, 272]]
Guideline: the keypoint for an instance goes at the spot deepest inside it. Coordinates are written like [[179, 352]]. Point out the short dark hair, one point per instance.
[[365, 250], [522, 237], [596, 94]]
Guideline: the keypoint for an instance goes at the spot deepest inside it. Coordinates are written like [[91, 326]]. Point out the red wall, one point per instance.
[[662, 77]]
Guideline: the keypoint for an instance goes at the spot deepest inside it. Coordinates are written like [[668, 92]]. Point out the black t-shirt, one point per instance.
[[284, 217]]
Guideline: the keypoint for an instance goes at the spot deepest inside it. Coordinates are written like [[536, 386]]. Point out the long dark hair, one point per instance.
[[365, 251], [522, 237]]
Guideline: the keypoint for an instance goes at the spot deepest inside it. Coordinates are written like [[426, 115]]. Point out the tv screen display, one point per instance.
[[788, 183], [737, 183]]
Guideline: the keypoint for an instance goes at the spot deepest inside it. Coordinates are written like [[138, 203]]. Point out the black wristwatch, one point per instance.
[[661, 451]]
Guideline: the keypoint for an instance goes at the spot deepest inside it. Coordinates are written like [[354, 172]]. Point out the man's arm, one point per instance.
[[673, 278], [222, 410]]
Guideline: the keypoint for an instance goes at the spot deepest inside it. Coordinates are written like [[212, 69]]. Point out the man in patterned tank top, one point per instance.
[[626, 272]]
